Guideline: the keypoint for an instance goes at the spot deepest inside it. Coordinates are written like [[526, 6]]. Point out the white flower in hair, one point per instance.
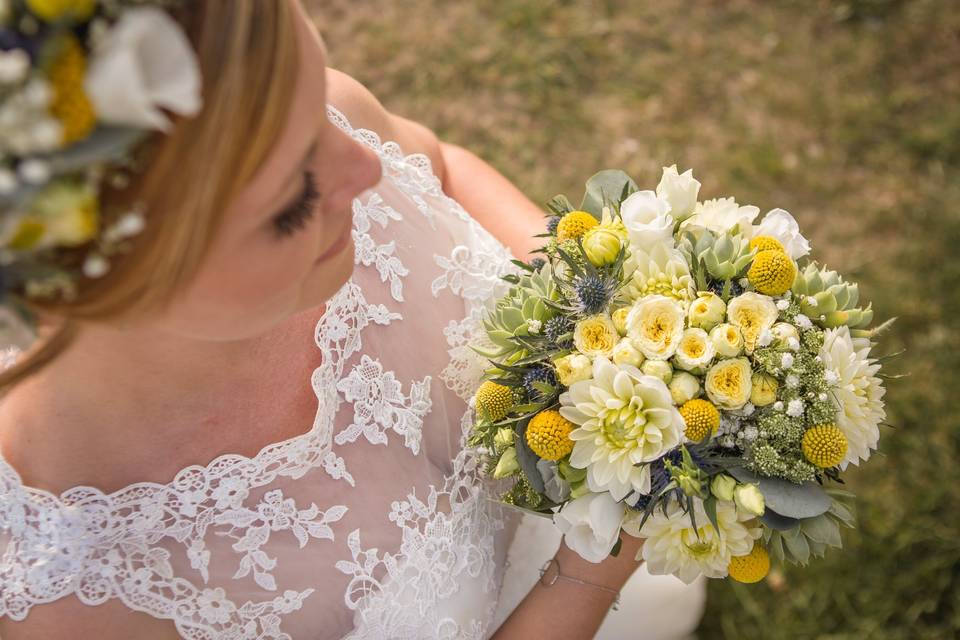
[[143, 65]]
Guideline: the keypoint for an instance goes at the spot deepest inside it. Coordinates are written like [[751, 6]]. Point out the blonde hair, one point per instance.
[[248, 57]]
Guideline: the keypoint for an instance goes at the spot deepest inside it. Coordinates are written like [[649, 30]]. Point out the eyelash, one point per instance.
[[295, 217]]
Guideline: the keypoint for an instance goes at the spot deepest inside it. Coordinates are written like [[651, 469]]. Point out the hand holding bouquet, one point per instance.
[[677, 371]]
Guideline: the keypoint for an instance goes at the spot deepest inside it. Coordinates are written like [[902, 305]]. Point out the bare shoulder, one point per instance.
[[365, 111]]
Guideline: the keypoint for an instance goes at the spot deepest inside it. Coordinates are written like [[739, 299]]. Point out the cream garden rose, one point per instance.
[[595, 336], [626, 353], [727, 340], [656, 326], [753, 314], [696, 351], [684, 387], [728, 383], [707, 311], [573, 368]]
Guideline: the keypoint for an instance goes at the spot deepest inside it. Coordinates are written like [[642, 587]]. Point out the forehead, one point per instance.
[[305, 119]]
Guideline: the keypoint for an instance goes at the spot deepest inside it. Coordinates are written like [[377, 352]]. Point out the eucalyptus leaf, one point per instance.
[[604, 186], [560, 205], [806, 500], [540, 514], [528, 460]]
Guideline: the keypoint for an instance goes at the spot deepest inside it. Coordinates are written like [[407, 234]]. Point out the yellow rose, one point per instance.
[[752, 313], [573, 368], [695, 350], [764, 391], [727, 340], [707, 311], [728, 383], [595, 336], [656, 326], [620, 320]]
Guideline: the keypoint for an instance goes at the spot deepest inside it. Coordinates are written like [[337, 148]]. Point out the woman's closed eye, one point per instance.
[[296, 216]]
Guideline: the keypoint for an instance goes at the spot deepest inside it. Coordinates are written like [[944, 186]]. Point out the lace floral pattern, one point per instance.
[[99, 546]]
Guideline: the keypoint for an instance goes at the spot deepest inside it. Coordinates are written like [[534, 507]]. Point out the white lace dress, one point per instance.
[[374, 524]]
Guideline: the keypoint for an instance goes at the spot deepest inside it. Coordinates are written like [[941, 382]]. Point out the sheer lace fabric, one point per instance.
[[373, 524]]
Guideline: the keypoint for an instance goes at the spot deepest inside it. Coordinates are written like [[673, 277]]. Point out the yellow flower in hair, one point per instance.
[[70, 104], [69, 213], [57, 10]]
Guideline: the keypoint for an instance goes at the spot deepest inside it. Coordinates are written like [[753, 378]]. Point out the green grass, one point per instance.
[[845, 113]]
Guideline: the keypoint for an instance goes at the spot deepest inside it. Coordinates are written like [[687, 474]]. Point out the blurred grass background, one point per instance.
[[846, 113]]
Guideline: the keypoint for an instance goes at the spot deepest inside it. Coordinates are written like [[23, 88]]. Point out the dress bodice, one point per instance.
[[375, 523]]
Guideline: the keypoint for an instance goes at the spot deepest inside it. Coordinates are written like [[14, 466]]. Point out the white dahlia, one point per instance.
[[856, 391], [662, 270], [720, 215], [673, 547], [624, 418]]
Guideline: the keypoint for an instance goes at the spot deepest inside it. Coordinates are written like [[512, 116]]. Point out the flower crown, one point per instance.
[[82, 82]]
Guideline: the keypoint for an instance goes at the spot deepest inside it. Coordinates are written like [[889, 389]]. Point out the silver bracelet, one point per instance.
[[560, 576]]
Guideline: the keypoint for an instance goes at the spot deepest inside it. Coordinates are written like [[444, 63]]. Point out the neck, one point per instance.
[[128, 394]]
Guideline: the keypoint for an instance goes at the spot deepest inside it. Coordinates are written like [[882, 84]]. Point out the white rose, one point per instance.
[[656, 326], [591, 525], [723, 214], [626, 353], [680, 190], [780, 224], [573, 368], [647, 219], [695, 351], [684, 387], [143, 66], [727, 340]]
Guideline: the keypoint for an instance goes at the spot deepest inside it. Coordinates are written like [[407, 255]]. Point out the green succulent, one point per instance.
[[810, 537], [512, 316], [829, 301], [724, 256]]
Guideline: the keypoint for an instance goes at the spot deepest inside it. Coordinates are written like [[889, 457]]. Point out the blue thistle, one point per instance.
[[538, 263], [593, 294], [716, 286], [552, 223], [539, 373], [660, 477], [556, 327]]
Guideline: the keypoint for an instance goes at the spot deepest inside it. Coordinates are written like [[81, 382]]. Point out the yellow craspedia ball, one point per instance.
[[70, 104], [824, 445], [701, 418], [574, 225], [494, 400], [548, 435], [772, 272], [766, 243], [54, 10], [752, 567]]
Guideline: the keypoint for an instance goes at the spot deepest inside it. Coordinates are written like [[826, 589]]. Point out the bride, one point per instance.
[[178, 460]]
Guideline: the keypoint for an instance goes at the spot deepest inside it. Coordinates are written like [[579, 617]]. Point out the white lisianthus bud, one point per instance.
[[707, 311], [507, 465], [591, 525], [727, 340], [684, 387], [680, 190], [749, 499], [783, 332], [503, 437], [658, 369], [722, 487], [626, 353], [573, 368]]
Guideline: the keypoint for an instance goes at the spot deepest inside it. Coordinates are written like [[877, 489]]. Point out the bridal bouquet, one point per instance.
[[679, 371]]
